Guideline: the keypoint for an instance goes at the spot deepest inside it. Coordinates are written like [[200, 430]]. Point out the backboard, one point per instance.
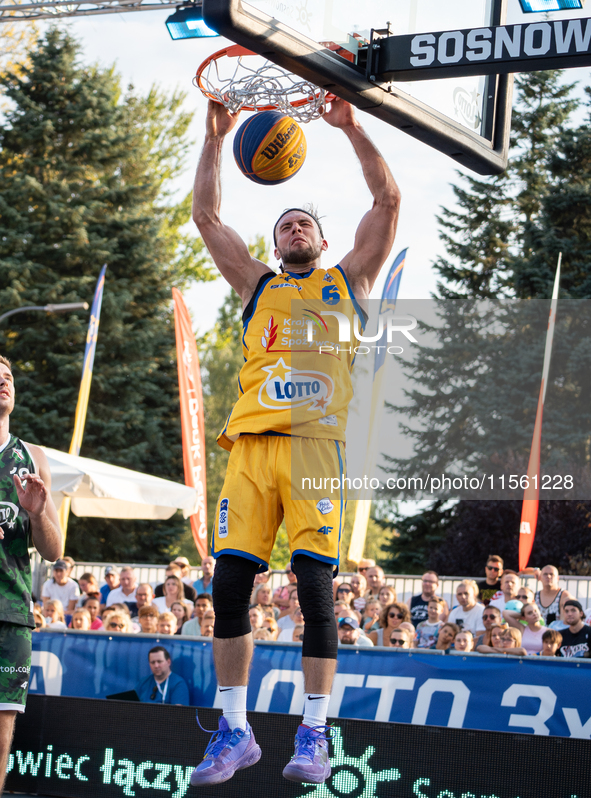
[[328, 41]]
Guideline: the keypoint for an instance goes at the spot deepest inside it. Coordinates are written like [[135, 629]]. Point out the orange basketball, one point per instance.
[[269, 148]]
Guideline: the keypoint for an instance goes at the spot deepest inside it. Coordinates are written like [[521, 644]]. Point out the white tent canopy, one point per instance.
[[101, 490]]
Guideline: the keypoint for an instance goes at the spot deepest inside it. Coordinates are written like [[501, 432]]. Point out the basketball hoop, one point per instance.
[[240, 87]]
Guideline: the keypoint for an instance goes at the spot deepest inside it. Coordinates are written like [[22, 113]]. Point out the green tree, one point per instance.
[[85, 177], [504, 240]]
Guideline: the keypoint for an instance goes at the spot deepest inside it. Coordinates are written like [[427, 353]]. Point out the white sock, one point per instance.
[[234, 705], [315, 709]]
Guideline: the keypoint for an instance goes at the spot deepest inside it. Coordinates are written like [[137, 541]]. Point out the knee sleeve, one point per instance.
[[231, 591], [317, 603]]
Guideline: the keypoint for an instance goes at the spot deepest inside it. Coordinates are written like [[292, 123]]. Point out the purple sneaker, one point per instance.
[[310, 762], [227, 752]]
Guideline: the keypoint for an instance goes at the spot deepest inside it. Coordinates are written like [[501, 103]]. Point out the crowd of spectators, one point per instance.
[[497, 615]]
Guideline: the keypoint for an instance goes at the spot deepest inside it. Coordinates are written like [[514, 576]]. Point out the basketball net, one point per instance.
[[240, 85]]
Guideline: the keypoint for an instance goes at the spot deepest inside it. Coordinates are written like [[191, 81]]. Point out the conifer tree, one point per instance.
[[85, 175], [476, 393]]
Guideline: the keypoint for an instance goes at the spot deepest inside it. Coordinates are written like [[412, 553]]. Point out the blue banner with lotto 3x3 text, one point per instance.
[[529, 695]]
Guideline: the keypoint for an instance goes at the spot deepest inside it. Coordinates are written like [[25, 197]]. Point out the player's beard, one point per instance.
[[301, 256]]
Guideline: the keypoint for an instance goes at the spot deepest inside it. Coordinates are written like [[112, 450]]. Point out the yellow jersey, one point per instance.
[[290, 385]]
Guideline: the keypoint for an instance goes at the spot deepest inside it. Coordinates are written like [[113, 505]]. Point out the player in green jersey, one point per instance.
[[27, 517]]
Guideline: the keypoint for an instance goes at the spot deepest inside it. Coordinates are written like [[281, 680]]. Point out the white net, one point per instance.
[[238, 84]]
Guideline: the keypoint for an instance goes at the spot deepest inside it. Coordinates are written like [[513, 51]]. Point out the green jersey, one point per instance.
[[16, 605]]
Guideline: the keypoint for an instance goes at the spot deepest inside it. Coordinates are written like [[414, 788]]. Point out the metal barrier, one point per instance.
[[404, 585]]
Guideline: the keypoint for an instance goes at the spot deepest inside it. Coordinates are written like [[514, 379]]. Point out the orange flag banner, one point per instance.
[[192, 421], [531, 502]]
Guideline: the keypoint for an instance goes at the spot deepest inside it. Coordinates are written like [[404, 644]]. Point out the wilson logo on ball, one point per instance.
[[269, 148]]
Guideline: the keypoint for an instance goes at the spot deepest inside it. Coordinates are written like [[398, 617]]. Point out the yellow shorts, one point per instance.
[[258, 493]]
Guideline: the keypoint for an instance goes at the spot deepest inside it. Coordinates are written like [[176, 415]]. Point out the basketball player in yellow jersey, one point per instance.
[[263, 437]]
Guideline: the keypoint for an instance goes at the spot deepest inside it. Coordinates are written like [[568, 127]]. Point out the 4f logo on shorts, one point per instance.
[[325, 530], [223, 519], [286, 388]]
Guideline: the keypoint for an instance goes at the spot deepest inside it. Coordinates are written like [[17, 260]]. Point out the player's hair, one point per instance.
[[308, 209], [6, 361], [157, 650]]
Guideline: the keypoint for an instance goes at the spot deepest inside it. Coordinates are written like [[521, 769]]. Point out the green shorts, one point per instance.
[[15, 665]]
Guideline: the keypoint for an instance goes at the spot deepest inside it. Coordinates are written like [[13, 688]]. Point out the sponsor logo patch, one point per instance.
[[8, 514], [286, 387], [223, 518], [325, 506], [331, 421]]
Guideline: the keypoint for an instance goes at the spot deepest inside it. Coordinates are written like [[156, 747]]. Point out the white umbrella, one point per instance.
[[101, 490]]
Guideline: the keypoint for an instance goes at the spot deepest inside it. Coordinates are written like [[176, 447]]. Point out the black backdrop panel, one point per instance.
[[109, 749]]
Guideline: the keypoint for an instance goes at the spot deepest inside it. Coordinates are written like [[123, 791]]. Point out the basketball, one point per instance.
[[269, 148]]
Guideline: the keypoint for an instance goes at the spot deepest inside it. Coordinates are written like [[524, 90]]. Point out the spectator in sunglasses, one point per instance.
[[393, 616], [400, 638], [492, 584], [117, 622], [345, 593], [490, 617]]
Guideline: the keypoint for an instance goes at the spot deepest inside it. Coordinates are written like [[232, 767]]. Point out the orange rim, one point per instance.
[[235, 51]]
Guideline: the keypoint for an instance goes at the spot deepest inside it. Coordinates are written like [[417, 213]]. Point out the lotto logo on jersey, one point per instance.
[[8, 514], [287, 387], [223, 518]]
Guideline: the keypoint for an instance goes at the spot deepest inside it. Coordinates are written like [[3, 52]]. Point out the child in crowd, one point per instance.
[[427, 630], [371, 616], [551, 642], [446, 636], [464, 641], [54, 614], [81, 620]]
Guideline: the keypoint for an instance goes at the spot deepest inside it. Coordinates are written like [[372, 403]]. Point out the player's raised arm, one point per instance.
[[375, 235], [227, 249], [35, 498]]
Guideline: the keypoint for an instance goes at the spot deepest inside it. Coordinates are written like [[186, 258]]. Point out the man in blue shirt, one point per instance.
[[111, 580], [162, 686], [204, 585]]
